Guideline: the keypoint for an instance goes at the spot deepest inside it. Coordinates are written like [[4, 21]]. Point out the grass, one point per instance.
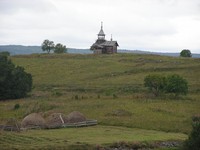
[[108, 88], [106, 71], [164, 115], [89, 136]]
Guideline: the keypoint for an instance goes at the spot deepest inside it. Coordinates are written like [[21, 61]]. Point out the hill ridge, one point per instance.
[[21, 49]]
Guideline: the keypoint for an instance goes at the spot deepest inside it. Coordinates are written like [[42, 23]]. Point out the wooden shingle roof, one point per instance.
[[110, 43]]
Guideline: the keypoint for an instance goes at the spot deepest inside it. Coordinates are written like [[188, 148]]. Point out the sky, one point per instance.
[[151, 25]]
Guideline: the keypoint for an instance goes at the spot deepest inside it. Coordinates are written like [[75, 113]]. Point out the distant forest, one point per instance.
[[24, 50]]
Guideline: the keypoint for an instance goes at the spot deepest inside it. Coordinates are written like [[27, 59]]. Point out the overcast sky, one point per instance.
[[153, 25]]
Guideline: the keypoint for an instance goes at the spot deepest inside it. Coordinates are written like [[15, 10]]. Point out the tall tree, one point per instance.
[[59, 48], [47, 46], [186, 53]]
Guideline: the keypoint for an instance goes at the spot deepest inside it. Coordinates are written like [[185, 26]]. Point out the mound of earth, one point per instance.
[[56, 120], [75, 117], [33, 120]]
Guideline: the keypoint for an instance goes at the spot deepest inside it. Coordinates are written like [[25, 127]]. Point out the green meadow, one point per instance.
[[81, 138], [108, 88]]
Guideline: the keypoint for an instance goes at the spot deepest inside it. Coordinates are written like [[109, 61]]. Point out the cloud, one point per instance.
[[144, 24], [36, 6]]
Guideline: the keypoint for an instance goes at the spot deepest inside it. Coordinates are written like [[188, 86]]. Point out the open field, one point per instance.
[[108, 88], [87, 137], [103, 72]]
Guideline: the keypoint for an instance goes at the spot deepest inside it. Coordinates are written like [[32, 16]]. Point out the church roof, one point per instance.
[[95, 45], [101, 33], [110, 43], [104, 44]]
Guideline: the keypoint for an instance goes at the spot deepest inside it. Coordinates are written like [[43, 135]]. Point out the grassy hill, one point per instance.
[[27, 50], [108, 88]]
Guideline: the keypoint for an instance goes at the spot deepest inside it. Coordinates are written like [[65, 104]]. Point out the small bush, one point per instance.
[[174, 84], [155, 83], [17, 106], [193, 141]]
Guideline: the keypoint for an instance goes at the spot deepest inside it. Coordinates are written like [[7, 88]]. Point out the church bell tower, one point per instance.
[[101, 35]]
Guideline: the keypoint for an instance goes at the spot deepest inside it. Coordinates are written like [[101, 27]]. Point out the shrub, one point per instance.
[[176, 84], [14, 81], [171, 84], [193, 141], [17, 106], [155, 83], [186, 53]]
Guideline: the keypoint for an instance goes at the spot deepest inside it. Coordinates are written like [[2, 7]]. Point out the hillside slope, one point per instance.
[[105, 71], [108, 88]]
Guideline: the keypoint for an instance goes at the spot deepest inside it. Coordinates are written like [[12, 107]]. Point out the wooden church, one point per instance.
[[102, 46]]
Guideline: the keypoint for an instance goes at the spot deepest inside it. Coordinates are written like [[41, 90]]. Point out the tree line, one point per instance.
[[48, 46]]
